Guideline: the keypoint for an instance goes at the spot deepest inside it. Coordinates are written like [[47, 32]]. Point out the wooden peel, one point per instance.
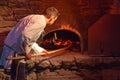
[[39, 54]]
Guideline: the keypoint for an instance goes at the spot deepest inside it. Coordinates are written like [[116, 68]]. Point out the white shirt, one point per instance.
[[26, 32]]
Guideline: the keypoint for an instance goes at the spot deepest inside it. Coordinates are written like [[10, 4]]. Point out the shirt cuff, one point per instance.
[[37, 48]]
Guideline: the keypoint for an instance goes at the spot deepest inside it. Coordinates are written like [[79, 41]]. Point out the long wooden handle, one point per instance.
[[39, 54]]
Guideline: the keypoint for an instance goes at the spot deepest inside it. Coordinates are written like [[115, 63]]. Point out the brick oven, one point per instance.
[[67, 60], [70, 29], [61, 37]]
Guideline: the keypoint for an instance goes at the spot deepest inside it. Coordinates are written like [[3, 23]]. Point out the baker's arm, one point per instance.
[[39, 50]]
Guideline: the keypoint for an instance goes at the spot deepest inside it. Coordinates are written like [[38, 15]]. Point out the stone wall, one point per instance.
[[79, 14]]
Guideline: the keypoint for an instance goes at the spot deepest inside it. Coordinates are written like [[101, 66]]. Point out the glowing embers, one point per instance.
[[60, 38], [58, 42]]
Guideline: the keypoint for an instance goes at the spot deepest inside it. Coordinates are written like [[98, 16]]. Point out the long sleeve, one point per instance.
[[32, 32], [37, 48], [22, 37]]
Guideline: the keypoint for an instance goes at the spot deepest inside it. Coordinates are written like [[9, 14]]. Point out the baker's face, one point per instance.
[[52, 20]]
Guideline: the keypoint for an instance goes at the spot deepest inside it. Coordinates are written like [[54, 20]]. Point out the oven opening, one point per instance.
[[60, 38]]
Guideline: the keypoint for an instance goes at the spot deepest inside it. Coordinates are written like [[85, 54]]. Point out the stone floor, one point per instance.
[[74, 66]]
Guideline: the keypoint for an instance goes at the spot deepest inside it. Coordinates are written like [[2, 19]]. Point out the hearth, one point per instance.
[[61, 38]]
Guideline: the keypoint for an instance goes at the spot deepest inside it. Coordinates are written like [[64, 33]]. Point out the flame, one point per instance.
[[56, 42], [68, 27], [60, 42]]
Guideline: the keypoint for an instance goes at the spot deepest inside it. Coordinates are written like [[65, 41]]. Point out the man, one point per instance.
[[22, 38]]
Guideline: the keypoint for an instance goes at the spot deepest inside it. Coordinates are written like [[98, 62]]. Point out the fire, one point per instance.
[[51, 44], [68, 27], [61, 42], [55, 41]]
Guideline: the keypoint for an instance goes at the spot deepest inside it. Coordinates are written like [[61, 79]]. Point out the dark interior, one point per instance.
[[60, 38]]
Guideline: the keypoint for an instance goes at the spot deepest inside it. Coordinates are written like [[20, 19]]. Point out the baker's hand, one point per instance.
[[45, 52], [28, 56]]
